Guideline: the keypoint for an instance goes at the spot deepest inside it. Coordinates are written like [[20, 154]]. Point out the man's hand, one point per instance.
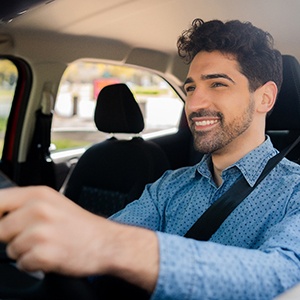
[[45, 231]]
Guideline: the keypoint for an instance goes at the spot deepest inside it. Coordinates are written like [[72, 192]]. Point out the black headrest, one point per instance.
[[117, 110], [286, 112]]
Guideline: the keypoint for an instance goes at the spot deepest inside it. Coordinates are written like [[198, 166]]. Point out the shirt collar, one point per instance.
[[251, 165]]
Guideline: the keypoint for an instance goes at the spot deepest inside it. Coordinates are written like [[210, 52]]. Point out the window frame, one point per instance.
[[16, 116]]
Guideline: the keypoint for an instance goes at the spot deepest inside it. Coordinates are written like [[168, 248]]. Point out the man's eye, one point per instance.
[[218, 84], [189, 88]]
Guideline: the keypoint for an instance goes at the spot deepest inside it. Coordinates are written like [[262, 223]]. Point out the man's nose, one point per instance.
[[197, 100]]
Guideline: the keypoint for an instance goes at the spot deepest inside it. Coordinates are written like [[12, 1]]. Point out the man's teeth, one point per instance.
[[205, 122]]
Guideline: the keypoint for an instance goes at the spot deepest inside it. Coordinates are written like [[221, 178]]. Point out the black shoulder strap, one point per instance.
[[215, 215]]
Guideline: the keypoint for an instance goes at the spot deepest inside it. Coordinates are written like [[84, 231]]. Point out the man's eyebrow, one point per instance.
[[209, 76], [188, 80], [217, 75]]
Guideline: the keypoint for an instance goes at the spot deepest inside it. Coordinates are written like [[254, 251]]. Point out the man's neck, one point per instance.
[[217, 175], [227, 156]]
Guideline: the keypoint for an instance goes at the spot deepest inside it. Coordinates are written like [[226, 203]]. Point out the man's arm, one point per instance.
[[47, 232], [191, 269]]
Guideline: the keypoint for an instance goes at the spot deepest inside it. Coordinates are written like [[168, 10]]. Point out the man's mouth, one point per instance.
[[206, 122]]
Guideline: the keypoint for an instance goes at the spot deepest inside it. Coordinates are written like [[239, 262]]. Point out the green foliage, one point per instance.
[[149, 91], [62, 144], [3, 122]]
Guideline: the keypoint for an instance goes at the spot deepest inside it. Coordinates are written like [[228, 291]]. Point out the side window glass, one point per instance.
[[8, 82], [73, 122]]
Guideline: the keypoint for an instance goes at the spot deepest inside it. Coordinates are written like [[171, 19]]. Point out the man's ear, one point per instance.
[[268, 94]]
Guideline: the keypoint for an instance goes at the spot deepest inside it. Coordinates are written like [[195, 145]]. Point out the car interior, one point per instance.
[[45, 44]]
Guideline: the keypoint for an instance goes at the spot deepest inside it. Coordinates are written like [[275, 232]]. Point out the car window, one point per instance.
[[8, 81], [73, 121]]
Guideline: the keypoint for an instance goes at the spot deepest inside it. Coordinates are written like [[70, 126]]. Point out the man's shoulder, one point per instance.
[[182, 174], [288, 167], [182, 171], [286, 173]]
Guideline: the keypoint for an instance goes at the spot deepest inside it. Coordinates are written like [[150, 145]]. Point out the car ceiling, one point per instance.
[[154, 24]]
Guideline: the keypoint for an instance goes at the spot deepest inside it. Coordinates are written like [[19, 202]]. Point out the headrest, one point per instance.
[[117, 110], [286, 112]]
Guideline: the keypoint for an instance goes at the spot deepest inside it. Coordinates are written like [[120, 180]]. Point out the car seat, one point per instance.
[[283, 124], [112, 173]]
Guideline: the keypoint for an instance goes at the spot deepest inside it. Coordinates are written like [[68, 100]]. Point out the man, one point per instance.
[[231, 86]]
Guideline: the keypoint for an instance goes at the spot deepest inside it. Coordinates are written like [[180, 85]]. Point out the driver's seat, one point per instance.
[[283, 124]]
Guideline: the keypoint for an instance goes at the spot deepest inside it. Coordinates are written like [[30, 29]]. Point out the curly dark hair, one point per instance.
[[251, 46]]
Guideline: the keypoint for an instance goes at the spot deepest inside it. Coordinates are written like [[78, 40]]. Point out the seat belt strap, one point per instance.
[[215, 215]]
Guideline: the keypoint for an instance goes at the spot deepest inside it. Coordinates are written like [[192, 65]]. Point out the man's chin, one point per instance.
[[202, 143], [203, 148]]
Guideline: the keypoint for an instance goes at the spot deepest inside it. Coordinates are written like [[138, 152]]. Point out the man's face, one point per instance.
[[219, 106]]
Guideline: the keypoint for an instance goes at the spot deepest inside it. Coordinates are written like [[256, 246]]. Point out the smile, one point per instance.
[[206, 122]]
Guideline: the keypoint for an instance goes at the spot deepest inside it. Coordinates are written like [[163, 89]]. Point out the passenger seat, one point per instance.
[[114, 172]]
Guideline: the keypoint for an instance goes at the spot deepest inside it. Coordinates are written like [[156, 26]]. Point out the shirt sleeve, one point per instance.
[[191, 269]]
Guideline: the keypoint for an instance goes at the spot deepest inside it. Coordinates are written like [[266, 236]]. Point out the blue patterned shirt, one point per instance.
[[253, 255]]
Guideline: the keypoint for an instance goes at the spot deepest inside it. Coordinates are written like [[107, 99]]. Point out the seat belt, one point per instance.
[[215, 215]]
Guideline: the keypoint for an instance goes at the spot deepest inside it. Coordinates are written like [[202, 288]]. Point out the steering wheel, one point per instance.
[[16, 284]]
